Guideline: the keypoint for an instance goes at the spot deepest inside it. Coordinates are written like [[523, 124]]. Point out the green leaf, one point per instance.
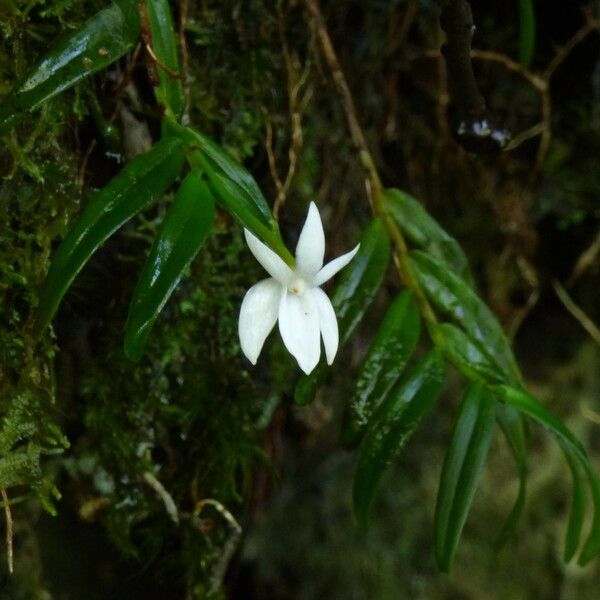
[[100, 41], [462, 467], [139, 184], [513, 427], [526, 32], [225, 165], [424, 231], [391, 427], [523, 401], [591, 548], [352, 296], [164, 45], [577, 513], [573, 449], [393, 345], [184, 230], [234, 188], [451, 295], [468, 355]]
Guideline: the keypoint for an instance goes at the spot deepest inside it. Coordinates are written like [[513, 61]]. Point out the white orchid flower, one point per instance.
[[293, 296]]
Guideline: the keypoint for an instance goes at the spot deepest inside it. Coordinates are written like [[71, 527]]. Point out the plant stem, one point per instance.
[[374, 186]]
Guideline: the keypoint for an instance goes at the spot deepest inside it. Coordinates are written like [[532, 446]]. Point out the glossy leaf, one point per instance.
[[523, 401], [451, 295], [234, 188], [572, 448], [183, 231], [139, 184], [462, 467], [527, 32], [391, 427], [393, 345], [513, 427], [351, 297], [468, 355], [98, 42], [164, 45], [591, 548], [424, 231], [578, 502]]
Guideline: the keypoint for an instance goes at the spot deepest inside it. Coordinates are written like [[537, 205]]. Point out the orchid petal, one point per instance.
[[331, 268], [311, 244], [258, 316], [327, 323], [271, 262], [299, 328]]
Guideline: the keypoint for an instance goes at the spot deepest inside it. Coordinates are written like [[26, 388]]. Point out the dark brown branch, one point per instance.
[[478, 129], [457, 22]]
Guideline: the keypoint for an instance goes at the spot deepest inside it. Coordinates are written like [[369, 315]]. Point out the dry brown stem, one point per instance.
[[9, 531]]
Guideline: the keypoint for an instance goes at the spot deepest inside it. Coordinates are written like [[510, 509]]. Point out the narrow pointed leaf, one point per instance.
[[468, 356], [233, 187], [591, 548], [98, 42], [572, 448], [523, 401], [451, 295], [354, 293], [164, 45], [183, 231], [249, 198], [462, 467], [577, 513], [424, 231], [391, 427], [235, 201], [513, 427], [393, 345], [139, 184]]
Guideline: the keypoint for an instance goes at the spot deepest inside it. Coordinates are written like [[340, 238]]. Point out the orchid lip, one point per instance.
[[298, 286]]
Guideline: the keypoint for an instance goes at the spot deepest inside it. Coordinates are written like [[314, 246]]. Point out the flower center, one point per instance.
[[298, 286]]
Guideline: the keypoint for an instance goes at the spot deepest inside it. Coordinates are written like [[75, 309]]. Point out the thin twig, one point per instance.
[[577, 312], [126, 78], [9, 531], [522, 137], [490, 56], [296, 107], [564, 51], [185, 60], [84, 162], [272, 161], [373, 183], [511, 65], [162, 493], [230, 546], [590, 415], [585, 260], [529, 275], [398, 31], [347, 101], [160, 63]]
